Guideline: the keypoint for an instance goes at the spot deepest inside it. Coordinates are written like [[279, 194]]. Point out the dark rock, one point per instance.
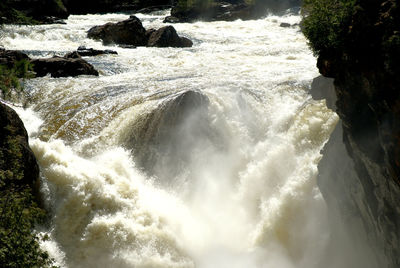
[[171, 19], [63, 67], [10, 57], [150, 9], [15, 152], [285, 25], [366, 78], [127, 32], [87, 52], [167, 37]]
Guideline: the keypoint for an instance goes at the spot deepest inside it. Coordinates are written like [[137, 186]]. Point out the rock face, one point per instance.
[[15, 153], [367, 83], [167, 37], [127, 32], [132, 33], [63, 67]]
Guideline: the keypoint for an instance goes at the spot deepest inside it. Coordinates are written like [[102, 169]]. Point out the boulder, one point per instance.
[[167, 37], [63, 67], [17, 160], [127, 32]]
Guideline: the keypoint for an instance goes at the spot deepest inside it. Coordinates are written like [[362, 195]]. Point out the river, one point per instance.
[[237, 189]]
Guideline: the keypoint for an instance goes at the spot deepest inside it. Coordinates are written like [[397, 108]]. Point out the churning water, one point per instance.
[[134, 178]]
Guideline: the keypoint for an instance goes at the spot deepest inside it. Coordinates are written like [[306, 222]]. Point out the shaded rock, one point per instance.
[[127, 32], [86, 52], [167, 37], [15, 153], [10, 57], [285, 25], [63, 67]]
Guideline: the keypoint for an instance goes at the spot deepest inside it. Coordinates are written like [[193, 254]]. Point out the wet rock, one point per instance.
[[88, 52], [15, 153], [127, 32], [165, 139], [10, 57], [167, 37], [63, 67], [285, 25]]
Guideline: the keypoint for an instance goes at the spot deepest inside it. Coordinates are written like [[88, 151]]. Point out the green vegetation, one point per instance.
[[19, 244], [13, 16], [10, 78], [326, 23]]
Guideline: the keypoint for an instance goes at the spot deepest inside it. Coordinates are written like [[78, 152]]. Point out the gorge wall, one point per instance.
[[359, 174]]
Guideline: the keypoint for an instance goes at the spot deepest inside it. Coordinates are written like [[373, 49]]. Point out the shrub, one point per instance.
[[326, 23]]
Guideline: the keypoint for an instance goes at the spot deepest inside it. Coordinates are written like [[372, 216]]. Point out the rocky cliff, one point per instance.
[[360, 171]]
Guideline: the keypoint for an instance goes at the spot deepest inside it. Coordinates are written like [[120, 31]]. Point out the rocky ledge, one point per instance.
[[55, 66]]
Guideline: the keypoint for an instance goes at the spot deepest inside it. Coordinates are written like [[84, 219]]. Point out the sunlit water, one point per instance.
[[253, 203]]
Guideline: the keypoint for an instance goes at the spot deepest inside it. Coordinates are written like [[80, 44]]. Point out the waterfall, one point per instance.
[[180, 157]]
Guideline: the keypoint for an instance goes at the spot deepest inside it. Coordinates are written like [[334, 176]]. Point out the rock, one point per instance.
[[171, 19], [10, 57], [285, 25], [14, 148], [165, 138], [63, 67], [86, 52], [366, 79], [167, 37], [127, 32]]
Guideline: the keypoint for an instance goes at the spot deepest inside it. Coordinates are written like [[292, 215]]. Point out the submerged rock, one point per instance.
[[165, 139], [127, 32], [88, 52], [63, 67]]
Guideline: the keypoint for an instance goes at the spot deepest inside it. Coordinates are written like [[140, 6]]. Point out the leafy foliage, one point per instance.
[[19, 213], [326, 23]]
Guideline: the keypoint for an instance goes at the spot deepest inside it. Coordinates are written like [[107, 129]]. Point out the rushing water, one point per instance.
[[247, 198]]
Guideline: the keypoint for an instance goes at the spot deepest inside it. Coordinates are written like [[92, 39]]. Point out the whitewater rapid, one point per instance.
[[248, 200]]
